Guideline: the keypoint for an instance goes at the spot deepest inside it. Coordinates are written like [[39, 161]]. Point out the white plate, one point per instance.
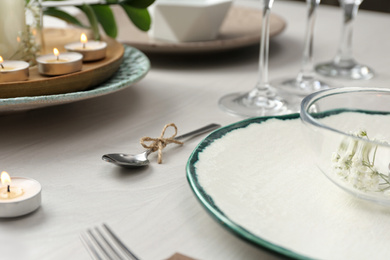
[[257, 178], [134, 67]]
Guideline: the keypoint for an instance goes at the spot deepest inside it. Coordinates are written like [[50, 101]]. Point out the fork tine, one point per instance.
[[97, 242], [104, 244], [90, 247], [108, 243], [119, 242]]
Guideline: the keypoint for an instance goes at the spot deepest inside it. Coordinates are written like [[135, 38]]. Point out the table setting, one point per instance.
[[251, 141]]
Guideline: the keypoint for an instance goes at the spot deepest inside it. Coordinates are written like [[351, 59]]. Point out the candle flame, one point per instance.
[[5, 178], [83, 38], [1, 59], [56, 52]]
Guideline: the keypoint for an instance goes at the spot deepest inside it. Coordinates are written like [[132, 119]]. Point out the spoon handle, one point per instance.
[[199, 131]]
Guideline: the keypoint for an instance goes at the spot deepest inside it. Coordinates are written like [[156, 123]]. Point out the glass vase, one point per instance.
[[20, 30]]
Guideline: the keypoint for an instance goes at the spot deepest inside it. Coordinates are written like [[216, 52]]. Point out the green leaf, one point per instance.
[[106, 18], [63, 16], [93, 21], [138, 3], [139, 17]]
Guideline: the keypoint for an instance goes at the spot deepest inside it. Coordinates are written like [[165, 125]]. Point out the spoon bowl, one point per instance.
[[139, 160], [127, 160]]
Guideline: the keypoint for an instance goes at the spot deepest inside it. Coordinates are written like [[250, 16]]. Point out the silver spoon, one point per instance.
[[137, 160]]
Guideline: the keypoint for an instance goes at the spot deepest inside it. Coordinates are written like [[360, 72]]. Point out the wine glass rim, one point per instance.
[[309, 100]]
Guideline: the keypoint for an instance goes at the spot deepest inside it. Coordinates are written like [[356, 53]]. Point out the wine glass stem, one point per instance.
[[307, 68], [262, 83], [344, 54]]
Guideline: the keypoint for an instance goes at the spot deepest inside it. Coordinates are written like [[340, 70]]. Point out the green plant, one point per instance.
[[101, 13]]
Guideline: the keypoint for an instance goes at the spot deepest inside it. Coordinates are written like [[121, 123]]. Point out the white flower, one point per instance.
[[335, 157], [352, 163]]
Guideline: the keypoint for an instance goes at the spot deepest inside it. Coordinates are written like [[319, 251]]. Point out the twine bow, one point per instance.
[[158, 144]]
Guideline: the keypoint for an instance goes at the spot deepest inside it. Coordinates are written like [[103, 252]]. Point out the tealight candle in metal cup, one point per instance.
[[91, 50], [18, 196], [59, 64], [13, 70]]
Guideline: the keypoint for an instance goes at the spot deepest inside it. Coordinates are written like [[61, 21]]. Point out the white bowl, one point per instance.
[[187, 20]]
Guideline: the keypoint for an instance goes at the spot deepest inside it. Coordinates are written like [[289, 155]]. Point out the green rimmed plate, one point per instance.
[[257, 178], [208, 202], [134, 67]]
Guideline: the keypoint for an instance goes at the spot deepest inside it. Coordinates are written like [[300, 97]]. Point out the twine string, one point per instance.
[[158, 144]]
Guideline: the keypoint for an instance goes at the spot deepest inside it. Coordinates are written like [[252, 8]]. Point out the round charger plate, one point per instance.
[[241, 28], [257, 179], [134, 67]]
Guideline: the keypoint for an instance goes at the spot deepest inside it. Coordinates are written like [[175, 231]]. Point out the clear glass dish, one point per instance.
[[349, 131]]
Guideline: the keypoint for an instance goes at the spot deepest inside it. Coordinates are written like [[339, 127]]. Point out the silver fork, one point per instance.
[[102, 243]]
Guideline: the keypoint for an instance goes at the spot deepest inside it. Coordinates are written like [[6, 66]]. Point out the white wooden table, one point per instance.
[[153, 209]]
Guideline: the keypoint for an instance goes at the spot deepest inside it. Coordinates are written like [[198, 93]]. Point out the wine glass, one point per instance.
[[263, 100], [305, 82], [344, 65]]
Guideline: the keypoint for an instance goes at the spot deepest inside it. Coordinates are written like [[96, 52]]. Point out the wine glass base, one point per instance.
[[240, 104], [353, 71], [302, 87]]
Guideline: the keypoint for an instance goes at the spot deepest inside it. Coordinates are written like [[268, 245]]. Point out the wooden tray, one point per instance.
[[92, 73]]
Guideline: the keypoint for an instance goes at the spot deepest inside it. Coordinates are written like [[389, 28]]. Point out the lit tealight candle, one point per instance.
[[91, 50], [59, 63], [13, 70], [18, 196]]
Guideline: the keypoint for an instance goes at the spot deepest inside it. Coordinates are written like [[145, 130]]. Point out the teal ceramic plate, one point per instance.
[[134, 67], [258, 179]]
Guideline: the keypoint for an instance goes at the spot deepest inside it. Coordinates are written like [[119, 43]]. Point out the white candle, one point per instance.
[[13, 70], [91, 50], [12, 22], [18, 196], [59, 63]]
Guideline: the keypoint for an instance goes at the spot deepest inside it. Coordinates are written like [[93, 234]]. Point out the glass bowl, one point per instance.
[[349, 131]]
